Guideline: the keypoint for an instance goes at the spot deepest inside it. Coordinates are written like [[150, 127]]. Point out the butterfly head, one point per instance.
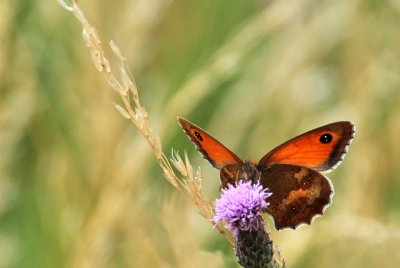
[[248, 172], [232, 174]]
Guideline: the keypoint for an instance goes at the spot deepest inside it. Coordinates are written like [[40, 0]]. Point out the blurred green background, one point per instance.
[[79, 187]]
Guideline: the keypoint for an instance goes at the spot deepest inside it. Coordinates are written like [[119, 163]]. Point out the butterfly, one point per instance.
[[293, 171]]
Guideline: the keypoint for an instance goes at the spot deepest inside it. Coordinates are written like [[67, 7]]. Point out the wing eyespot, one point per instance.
[[326, 138], [198, 136]]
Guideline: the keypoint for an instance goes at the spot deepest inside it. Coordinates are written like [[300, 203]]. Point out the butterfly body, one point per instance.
[[231, 174], [291, 171]]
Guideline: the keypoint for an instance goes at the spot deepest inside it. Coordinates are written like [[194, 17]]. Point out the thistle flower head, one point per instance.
[[241, 206]]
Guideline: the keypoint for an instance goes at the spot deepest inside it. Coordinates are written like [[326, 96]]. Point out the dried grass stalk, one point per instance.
[[189, 180]]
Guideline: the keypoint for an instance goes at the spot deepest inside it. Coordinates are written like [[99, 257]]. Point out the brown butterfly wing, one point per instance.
[[321, 149], [212, 150], [298, 194]]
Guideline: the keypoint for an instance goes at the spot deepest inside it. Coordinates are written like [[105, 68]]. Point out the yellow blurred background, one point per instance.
[[79, 186]]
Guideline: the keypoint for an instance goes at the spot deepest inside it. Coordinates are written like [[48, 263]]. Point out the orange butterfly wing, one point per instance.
[[320, 149], [212, 150]]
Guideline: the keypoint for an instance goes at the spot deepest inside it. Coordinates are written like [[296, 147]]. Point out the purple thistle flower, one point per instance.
[[241, 206]]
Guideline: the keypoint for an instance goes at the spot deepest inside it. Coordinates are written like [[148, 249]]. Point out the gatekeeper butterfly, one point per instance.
[[293, 171]]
